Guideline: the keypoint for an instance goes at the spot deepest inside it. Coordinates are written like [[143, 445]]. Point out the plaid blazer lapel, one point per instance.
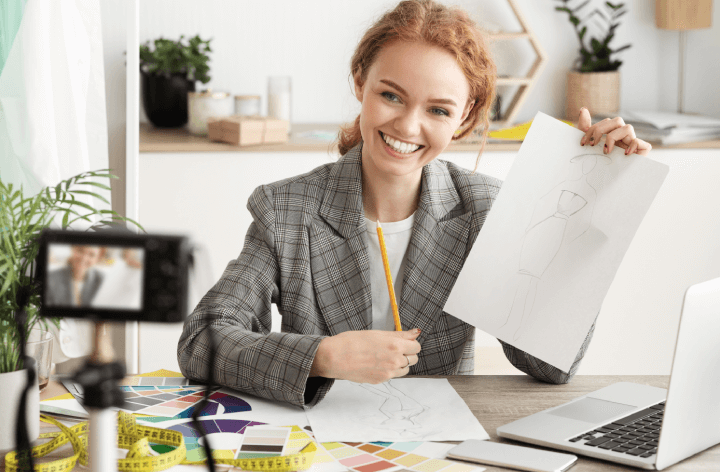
[[436, 252], [338, 251]]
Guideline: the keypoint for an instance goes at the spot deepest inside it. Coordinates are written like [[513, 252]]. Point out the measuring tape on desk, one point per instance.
[[136, 439]]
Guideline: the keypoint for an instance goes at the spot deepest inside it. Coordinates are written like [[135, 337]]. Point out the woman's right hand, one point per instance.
[[370, 356]]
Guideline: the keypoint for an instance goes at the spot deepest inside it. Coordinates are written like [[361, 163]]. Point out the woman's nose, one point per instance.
[[408, 124]]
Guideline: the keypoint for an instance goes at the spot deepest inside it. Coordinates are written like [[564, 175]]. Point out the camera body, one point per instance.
[[114, 276]]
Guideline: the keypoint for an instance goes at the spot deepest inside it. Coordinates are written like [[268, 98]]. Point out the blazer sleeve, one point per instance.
[[236, 315], [541, 370]]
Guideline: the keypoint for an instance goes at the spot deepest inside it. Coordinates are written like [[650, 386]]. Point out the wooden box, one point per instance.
[[246, 131]]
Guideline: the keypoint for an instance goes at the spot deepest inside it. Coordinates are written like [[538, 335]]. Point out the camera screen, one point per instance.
[[109, 277]]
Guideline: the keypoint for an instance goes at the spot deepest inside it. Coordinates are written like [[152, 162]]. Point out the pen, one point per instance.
[[388, 278]]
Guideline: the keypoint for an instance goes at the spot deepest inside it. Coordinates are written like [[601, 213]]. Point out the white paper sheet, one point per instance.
[[406, 409], [553, 241]]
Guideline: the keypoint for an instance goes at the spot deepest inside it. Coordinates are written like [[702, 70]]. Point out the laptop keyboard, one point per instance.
[[636, 434]]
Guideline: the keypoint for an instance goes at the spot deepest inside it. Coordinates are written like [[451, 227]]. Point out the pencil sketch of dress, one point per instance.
[[400, 412], [561, 216]]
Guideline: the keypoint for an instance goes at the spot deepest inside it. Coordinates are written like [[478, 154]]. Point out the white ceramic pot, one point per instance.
[[11, 387], [202, 106]]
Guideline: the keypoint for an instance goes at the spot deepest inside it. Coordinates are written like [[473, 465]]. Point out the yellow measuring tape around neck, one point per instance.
[[136, 439]]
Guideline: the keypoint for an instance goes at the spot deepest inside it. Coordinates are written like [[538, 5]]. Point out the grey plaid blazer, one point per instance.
[[305, 252]]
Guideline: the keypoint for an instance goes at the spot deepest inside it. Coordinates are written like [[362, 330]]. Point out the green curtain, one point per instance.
[[11, 12]]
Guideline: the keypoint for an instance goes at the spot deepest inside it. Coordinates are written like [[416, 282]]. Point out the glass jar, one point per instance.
[[40, 346], [279, 98], [247, 105], [205, 105]]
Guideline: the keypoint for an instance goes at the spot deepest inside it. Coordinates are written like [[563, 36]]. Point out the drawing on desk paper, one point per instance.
[[561, 216], [405, 409], [400, 412]]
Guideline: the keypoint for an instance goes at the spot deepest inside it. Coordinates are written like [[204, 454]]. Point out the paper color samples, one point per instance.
[[216, 429], [178, 402], [396, 457], [263, 441]]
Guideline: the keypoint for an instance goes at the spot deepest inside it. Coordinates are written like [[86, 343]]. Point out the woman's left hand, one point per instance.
[[618, 134]]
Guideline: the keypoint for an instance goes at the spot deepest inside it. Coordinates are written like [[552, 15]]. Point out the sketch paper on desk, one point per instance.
[[553, 241], [396, 410]]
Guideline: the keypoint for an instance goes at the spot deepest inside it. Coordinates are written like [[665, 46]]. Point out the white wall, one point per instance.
[[313, 40]]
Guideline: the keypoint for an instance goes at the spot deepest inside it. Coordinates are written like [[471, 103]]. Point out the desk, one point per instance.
[[497, 400]]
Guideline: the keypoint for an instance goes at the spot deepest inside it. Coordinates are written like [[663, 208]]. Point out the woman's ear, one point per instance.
[[359, 86], [467, 110]]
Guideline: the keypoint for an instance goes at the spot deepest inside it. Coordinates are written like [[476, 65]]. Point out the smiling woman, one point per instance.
[[424, 77]]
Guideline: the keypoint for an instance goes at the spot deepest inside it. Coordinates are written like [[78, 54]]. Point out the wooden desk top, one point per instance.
[[498, 400], [180, 140]]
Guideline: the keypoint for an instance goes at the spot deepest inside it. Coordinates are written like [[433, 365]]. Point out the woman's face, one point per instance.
[[83, 258], [414, 99]]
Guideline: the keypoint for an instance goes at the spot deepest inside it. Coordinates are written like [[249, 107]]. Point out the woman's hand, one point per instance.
[[370, 356], [618, 134]]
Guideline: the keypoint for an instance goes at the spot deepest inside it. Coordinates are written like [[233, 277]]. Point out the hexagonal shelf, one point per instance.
[[524, 83]]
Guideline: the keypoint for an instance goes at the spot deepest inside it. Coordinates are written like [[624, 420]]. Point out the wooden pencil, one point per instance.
[[388, 278]]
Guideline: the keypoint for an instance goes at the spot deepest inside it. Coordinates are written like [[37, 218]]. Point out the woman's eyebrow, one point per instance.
[[392, 84]]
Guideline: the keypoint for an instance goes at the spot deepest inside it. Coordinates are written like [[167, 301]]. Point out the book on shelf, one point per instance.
[[671, 128]]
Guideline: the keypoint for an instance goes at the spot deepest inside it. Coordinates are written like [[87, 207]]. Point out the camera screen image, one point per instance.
[[108, 277]]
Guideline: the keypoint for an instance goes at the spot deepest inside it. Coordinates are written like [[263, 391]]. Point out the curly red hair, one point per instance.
[[433, 23]]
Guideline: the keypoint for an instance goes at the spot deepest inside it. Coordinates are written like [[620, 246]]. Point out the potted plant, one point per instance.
[[594, 82], [169, 70], [21, 221]]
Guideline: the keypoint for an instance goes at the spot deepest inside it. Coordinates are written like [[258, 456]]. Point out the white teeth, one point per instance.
[[400, 146]]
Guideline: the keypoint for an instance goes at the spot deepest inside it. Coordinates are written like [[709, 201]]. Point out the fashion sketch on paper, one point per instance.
[[560, 217], [399, 412]]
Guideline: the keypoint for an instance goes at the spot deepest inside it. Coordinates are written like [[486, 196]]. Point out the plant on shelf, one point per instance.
[[174, 57], [595, 81], [22, 219], [595, 50], [169, 69]]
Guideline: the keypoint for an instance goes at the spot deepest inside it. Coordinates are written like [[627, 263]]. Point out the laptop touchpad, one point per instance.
[[592, 410]]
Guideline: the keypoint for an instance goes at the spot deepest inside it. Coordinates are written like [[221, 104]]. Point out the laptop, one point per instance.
[[639, 425]]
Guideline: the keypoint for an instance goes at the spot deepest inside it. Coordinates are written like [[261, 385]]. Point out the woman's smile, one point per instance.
[[398, 147]]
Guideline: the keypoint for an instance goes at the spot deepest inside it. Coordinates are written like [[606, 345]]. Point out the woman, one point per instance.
[[424, 77]]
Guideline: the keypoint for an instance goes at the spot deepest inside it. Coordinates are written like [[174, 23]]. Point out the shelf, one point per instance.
[[179, 140], [508, 36], [516, 99], [514, 81]]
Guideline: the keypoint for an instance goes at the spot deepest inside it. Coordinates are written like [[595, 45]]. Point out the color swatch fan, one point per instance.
[[222, 434], [178, 402]]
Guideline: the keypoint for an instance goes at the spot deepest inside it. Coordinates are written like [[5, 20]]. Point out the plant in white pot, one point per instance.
[[22, 219], [594, 82]]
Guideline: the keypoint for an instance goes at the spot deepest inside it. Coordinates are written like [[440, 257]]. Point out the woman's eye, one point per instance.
[[390, 96], [439, 112]]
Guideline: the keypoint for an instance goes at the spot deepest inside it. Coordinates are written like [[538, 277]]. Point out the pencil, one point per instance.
[[388, 278]]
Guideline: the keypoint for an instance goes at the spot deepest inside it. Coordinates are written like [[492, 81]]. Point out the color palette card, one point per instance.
[[396, 457], [167, 401], [223, 435], [263, 441]]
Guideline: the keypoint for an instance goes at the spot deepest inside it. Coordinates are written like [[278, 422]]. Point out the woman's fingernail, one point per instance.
[[417, 331], [582, 141], [581, 109], [605, 149]]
